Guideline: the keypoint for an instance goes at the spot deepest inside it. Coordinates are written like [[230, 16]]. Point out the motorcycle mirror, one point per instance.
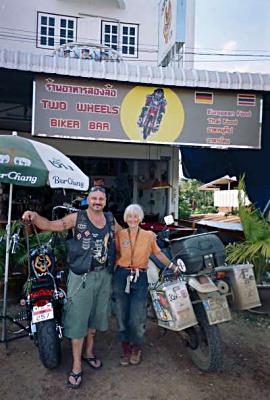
[[181, 265], [169, 220]]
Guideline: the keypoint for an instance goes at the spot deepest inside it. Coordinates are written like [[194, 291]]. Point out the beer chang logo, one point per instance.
[[23, 161], [59, 164], [69, 181], [18, 177]]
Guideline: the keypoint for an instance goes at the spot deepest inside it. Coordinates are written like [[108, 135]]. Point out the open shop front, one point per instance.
[[131, 173], [128, 181]]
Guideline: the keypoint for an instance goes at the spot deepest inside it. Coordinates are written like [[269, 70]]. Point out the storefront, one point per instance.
[[101, 119]]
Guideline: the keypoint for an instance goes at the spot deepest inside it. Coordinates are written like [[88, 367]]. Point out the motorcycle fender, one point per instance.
[[216, 308], [207, 287]]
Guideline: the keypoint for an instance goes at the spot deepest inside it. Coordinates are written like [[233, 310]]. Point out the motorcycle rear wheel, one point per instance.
[[206, 351], [48, 344]]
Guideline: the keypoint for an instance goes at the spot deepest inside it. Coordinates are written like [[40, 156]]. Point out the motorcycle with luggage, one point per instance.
[[199, 299]]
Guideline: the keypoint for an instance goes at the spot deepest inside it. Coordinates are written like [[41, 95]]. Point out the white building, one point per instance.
[[132, 164], [129, 26]]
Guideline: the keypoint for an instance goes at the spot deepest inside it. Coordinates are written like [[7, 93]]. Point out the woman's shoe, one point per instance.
[[136, 355], [124, 359]]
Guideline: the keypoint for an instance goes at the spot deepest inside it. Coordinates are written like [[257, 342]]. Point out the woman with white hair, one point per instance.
[[134, 247]]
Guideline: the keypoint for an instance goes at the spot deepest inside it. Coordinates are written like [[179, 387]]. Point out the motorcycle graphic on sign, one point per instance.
[[152, 113]]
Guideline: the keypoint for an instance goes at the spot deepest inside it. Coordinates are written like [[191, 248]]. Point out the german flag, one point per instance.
[[246, 99], [204, 97]]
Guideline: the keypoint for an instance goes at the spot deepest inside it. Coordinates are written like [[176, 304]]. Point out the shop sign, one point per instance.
[[171, 26], [123, 112]]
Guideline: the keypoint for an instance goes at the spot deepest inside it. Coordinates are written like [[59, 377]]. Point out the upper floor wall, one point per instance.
[[128, 26]]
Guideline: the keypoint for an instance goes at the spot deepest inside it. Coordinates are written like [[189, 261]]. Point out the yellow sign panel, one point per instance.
[[171, 123]]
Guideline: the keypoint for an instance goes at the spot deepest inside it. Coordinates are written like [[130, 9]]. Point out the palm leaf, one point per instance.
[[256, 248], [254, 225]]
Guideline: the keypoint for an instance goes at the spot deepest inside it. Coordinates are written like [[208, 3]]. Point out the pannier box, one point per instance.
[[172, 305], [199, 252], [242, 282]]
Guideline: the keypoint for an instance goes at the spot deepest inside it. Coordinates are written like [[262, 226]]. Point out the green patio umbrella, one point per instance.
[[26, 162]]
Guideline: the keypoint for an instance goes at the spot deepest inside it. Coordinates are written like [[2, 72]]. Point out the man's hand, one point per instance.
[[29, 216]]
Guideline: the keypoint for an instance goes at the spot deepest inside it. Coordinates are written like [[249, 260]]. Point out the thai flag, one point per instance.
[[246, 100]]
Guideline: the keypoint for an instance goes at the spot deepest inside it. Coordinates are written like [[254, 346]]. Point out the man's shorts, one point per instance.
[[88, 303]]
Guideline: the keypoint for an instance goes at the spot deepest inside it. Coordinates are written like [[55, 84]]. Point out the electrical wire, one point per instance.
[[10, 34], [142, 44], [143, 47]]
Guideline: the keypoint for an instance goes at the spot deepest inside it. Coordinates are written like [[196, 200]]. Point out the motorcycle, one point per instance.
[[43, 293], [42, 299], [152, 112], [199, 299], [194, 303]]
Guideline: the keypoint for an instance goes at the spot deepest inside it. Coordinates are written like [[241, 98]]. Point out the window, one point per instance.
[[121, 37], [55, 30]]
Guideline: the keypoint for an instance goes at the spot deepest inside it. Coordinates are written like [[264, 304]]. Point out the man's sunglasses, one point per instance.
[[97, 189]]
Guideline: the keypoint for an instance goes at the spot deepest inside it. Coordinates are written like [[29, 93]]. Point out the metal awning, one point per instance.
[[214, 185], [138, 73]]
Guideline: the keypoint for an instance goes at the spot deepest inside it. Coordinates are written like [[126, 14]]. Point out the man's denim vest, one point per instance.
[[81, 235]]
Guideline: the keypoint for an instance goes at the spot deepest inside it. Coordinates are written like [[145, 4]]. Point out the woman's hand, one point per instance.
[[176, 270]]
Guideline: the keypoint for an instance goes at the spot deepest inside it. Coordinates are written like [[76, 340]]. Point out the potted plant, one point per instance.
[[255, 249]]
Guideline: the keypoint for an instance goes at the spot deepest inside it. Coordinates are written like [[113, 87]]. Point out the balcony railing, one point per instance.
[[88, 51]]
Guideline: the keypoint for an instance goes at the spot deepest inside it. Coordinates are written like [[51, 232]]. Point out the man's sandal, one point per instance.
[[78, 380], [93, 362]]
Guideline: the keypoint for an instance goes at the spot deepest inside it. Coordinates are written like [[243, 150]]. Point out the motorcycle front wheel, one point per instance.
[[205, 345], [147, 128], [48, 344]]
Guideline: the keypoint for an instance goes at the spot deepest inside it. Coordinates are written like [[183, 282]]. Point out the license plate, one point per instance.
[[43, 313]]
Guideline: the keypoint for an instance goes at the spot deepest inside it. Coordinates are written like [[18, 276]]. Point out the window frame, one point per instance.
[[120, 36], [57, 28]]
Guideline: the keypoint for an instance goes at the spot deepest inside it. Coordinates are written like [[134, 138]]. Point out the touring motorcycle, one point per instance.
[[196, 302]]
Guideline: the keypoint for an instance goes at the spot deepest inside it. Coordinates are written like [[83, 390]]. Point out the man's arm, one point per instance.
[[59, 225]]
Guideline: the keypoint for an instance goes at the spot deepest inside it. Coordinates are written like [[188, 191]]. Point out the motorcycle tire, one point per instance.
[[48, 344], [205, 347], [146, 132]]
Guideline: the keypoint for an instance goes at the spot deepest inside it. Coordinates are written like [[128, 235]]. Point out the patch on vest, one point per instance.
[[86, 243], [81, 227]]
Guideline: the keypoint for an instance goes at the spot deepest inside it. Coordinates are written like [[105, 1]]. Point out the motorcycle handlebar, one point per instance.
[[65, 206], [15, 238], [15, 241]]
